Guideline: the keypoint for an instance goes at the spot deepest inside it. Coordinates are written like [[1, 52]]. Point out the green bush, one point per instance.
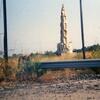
[[96, 54], [49, 53], [30, 68], [38, 71]]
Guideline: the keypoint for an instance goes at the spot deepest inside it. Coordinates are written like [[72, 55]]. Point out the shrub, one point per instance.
[[49, 53], [29, 70], [7, 72], [96, 54], [37, 70]]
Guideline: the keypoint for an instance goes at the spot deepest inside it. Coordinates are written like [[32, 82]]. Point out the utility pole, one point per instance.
[[82, 30], [5, 32]]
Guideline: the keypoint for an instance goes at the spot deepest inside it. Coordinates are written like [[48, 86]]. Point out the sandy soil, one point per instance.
[[88, 89]]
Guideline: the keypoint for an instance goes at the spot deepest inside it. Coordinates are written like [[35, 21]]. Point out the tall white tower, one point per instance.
[[62, 47]]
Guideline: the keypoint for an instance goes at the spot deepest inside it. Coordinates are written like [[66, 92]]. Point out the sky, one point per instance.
[[34, 25]]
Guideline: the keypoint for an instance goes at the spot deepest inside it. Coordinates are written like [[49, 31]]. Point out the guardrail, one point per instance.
[[87, 63]]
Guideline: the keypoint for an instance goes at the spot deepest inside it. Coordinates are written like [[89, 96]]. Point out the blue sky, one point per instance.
[[34, 25]]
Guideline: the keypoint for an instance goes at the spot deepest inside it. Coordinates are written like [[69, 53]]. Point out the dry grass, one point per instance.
[[13, 63], [36, 91], [66, 56], [54, 74]]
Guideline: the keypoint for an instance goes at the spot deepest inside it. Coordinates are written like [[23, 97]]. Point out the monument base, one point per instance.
[[61, 49]]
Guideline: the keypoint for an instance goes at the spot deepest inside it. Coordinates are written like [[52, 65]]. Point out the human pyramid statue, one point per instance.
[[62, 47]]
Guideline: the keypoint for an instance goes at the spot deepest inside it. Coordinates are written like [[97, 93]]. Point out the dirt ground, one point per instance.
[[86, 89]]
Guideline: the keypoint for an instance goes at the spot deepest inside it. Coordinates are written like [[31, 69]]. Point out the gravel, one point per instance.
[[81, 87]]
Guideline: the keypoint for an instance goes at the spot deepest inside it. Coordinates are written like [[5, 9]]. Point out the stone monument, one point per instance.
[[63, 47]]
